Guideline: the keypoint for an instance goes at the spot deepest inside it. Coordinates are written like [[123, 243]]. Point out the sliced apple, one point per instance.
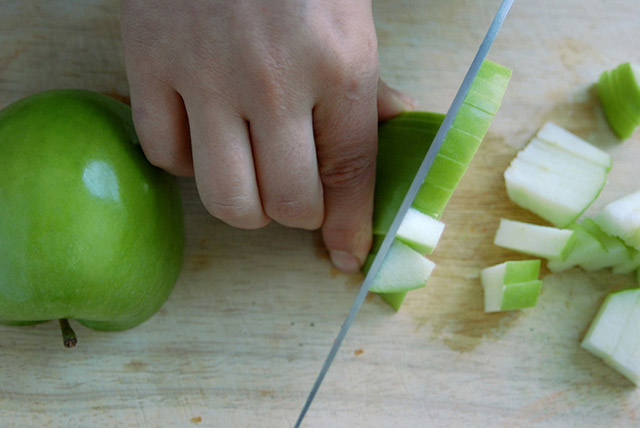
[[557, 175], [511, 285], [621, 218], [614, 252], [614, 333], [535, 240], [403, 269]]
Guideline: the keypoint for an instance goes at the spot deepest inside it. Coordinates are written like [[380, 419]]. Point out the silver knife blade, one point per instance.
[[499, 18]]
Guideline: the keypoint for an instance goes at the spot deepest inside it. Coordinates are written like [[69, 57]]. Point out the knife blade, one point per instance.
[[490, 36]]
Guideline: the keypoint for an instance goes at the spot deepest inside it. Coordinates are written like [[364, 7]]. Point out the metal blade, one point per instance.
[[410, 196]]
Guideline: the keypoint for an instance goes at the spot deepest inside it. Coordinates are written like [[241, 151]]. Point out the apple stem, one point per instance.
[[68, 335]]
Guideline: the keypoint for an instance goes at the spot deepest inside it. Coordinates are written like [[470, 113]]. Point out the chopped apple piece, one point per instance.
[[613, 334], [535, 240], [403, 269], [420, 231], [557, 175], [511, 285], [621, 218]]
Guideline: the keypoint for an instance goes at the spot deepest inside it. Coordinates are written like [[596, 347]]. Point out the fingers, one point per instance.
[[346, 140], [286, 167], [224, 166], [392, 102], [162, 126]]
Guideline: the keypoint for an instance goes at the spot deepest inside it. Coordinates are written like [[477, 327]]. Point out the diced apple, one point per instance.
[[535, 240], [511, 285], [557, 175], [621, 218], [403, 269], [614, 333], [615, 251], [584, 249], [420, 231]]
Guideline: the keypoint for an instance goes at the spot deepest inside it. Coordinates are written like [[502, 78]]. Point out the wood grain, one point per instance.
[[254, 313]]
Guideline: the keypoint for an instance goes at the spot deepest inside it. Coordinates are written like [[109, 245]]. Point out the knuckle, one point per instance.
[[348, 172], [295, 213], [236, 210]]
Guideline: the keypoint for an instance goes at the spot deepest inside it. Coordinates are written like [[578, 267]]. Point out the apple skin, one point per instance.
[[89, 229]]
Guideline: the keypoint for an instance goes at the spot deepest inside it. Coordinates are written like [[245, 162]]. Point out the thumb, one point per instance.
[[392, 102]]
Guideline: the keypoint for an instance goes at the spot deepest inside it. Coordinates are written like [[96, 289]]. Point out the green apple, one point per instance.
[[89, 229]]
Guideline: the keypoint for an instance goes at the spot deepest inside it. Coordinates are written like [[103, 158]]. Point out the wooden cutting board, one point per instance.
[[254, 313]]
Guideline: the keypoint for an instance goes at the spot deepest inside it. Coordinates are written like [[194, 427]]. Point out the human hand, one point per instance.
[[273, 105]]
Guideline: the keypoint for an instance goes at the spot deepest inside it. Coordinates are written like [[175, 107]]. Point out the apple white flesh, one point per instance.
[[571, 143], [403, 269], [535, 240], [420, 231], [621, 218]]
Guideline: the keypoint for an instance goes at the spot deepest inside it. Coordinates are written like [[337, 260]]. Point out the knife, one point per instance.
[[499, 18]]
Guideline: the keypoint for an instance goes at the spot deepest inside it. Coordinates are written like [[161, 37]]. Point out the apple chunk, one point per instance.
[[511, 285]]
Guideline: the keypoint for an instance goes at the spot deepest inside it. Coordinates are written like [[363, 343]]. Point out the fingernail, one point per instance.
[[403, 101], [344, 261]]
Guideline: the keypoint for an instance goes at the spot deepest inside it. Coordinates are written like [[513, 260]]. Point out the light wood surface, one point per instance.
[[243, 335]]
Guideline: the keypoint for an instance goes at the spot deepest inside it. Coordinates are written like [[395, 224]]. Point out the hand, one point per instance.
[[273, 105]]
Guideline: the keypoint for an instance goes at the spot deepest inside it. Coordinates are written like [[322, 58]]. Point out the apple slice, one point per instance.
[[614, 252], [511, 285], [535, 240], [613, 333], [420, 231], [619, 92], [403, 269], [557, 175], [622, 218], [631, 266], [585, 247]]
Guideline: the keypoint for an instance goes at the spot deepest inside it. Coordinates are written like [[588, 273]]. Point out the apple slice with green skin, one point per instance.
[[620, 124], [420, 231], [615, 251], [511, 285], [535, 240], [403, 269], [557, 175], [631, 266], [585, 247], [89, 229], [621, 218], [619, 92], [613, 333]]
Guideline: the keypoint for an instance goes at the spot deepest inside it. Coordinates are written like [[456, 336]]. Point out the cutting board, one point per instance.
[[254, 313]]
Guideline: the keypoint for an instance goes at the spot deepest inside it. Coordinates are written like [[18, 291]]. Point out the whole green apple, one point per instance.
[[89, 229]]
